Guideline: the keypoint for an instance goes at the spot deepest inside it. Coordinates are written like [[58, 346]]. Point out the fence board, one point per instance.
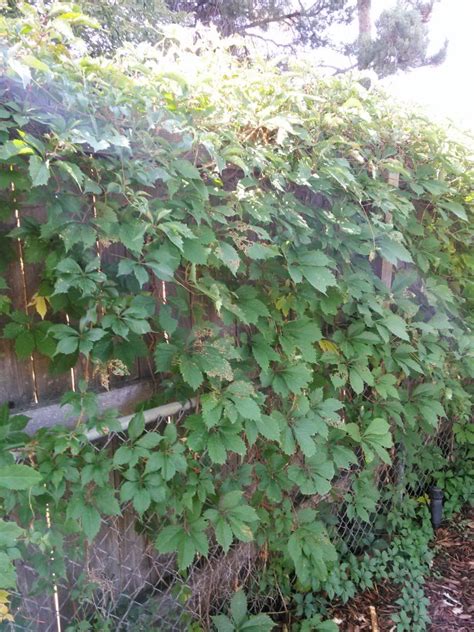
[[49, 387], [16, 376]]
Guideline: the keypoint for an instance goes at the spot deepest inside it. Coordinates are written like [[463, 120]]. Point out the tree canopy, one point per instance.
[[400, 41]]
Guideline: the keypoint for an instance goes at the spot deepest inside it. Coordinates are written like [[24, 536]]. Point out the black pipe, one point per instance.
[[436, 506]]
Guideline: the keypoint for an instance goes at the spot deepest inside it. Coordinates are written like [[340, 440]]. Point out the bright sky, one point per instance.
[[446, 90]]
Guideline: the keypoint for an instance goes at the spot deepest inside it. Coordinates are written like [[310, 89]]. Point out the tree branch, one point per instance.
[[269, 40], [265, 21]]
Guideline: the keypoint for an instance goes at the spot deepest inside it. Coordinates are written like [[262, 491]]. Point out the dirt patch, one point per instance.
[[450, 588]]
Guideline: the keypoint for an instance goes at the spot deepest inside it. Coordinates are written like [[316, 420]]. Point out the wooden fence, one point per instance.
[[121, 560]]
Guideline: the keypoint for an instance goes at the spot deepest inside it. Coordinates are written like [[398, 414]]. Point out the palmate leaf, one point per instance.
[[251, 193], [300, 334], [304, 429], [263, 353], [287, 379], [394, 251], [309, 548], [375, 438], [312, 266], [186, 542], [250, 306], [315, 476], [232, 518]]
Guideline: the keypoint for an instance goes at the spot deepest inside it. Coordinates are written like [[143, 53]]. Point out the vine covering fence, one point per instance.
[[133, 587], [270, 274]]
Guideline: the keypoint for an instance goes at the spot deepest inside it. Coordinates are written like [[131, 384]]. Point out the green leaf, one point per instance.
[[313, 267], [187, 169], [136, 426], [238, 607], [216, 449], [191, 372], [378, 427], [7, 572], [397, 326], [223, 623], [39, 171], [166, 320], [9, 533], [319, 278], [149, 440], [224, 535], [297, 377], [132, 236], [141, 500], [357, 384], [229, 256], [106, 502], [90, 520], [195, 252], [394, 251], [67, 345], [168, 538], [212, 409], [164, 354], [21, 70], [18, 477], [73, 171], [25, 344], [263, 353], [248, 408], [231, 499], [262, 251], [269, 427], [353, 431], [435, 187], [455, 208], [186, 551]]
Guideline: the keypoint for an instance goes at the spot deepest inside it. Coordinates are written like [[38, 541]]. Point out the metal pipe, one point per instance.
[[436, 506], [152, 414]]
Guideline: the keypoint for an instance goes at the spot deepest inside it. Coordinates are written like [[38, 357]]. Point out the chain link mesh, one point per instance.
[[124, 582]]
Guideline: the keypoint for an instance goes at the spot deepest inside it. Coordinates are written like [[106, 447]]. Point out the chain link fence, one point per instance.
[[121, 581]]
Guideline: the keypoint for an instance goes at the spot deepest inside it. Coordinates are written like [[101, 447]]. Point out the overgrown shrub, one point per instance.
[[261, 197]]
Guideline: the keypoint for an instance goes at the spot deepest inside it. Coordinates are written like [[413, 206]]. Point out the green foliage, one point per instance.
[[240, 620], [400, 43], [402, 40], [260, 198]]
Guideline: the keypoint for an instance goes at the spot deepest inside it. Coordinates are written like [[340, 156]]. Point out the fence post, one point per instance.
[[386, 275], [387, 268]]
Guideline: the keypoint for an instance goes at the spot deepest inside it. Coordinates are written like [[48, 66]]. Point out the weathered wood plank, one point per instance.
[[16, 376], [49, 387]]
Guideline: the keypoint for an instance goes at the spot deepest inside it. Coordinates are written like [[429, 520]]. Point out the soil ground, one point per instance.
[[450, 588]]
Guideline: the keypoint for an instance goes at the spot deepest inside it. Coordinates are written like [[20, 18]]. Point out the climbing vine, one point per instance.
[[261, 199]]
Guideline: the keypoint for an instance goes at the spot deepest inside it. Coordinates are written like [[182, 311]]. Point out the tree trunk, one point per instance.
[[365, 31]]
